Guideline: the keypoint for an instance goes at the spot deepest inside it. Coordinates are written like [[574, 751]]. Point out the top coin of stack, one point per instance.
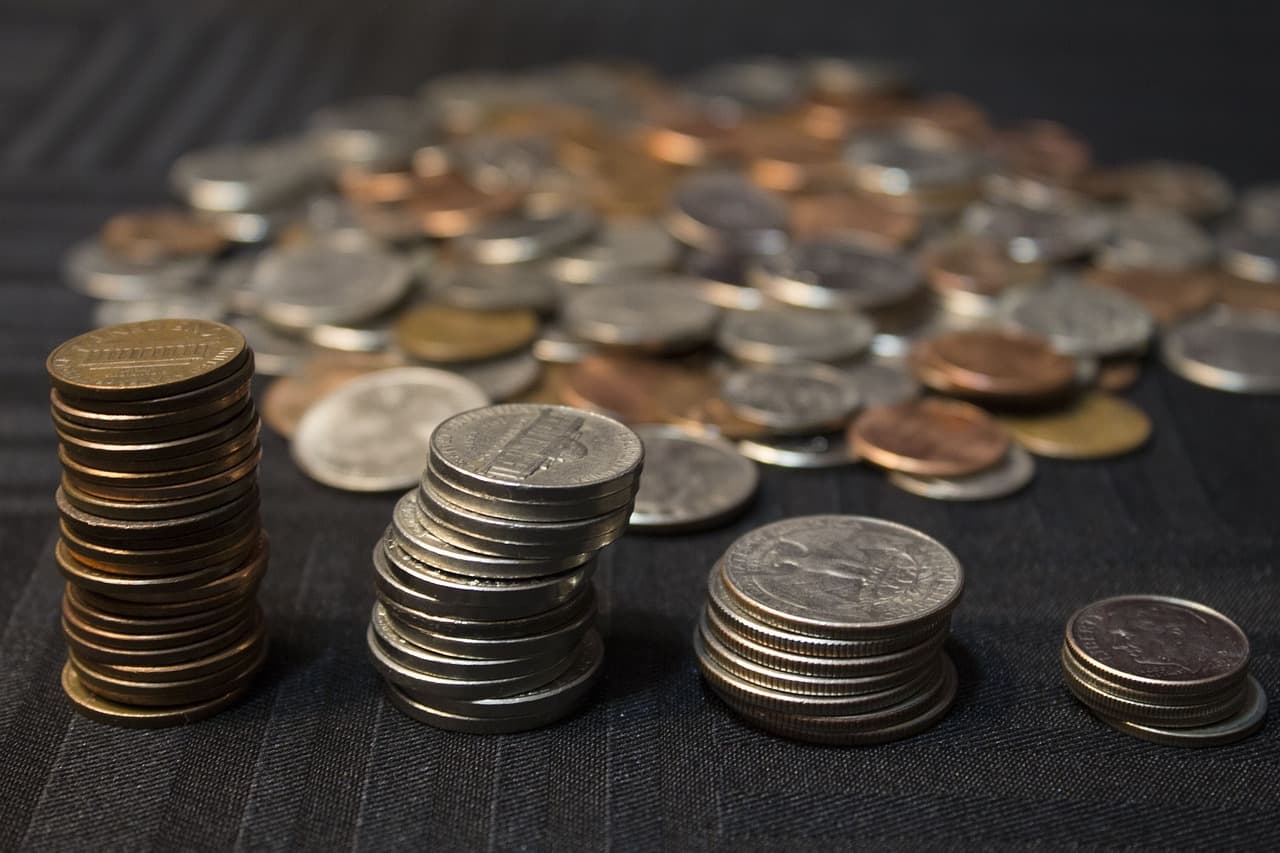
[[162, 545]]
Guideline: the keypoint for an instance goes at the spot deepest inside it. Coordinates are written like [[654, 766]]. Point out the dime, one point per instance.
[[992, 364], [690, 481], [829, 450], [620, 247], [1081, 320], [1010, 475], [833, 272], [714, 209], [1227, 351], [1148, 709], [929, 437], [503, 287], [791, 398], [1251, 255], [515, 239], [1246, 721], [784, 336], [1168, 296], [1154, 240], [372, 433], [447, 335], [1037, 235], [663, 317], [311, 284], [1096, 426]]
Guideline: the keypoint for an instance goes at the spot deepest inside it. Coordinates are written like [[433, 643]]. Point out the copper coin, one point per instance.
[[833, 115], [229, 656], [122, 424], [549, 387], [223, 541], [782, 160], [167, 432], [975, 265], [954, 114], [156, 411], [170, 530], [368, 185], [446, 335], [229, 471], [930, 437], [449, 206], [998, 363], [159, 235], [140, 361], [146, 625], [1168, 295], [1045, 150], [216, 460], [1245, 295], [97, 644], [289, 397], [851, 214], [145, 454], [629, 186], [1118, 374], [99, 709], [1096, 426], [685, 137], [86, 577], [149, 510], [170, 595]]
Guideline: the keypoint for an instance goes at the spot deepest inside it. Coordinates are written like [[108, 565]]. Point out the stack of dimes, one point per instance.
[[485, 620], [1163, 669], [162, 545], [829, 629]]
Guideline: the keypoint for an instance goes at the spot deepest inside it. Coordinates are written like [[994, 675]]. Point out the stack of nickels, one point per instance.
[[830, 629], [485, 620], [161, 543], [1163, 669]]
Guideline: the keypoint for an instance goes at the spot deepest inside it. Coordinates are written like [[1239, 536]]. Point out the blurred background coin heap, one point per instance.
[[1163, 669], [485, 619], [830, 629], [162, 546]]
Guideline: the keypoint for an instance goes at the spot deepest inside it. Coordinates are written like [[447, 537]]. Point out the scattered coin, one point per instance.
[[714, 210], [785, 336], [1168, 296], [274, 353], [881, 383], [829, 450], [1147, 239], [175, 307], [1010, 475], [690, 481], [623, 246], [517, 239], [992, 365], [1032, 234], [658, 317], [1079, 320], [929, 437], [791, 398], [837, 273], [1097, 426], [445, 335], [845, 214], [313, 284], [156, 236], [497, 287], [1251, 255], [1228, 351], [230, 178]]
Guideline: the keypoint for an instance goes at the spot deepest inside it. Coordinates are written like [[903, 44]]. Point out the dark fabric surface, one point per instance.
[[97, 98]]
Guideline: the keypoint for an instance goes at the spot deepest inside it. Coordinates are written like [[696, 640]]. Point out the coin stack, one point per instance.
[[1163, 669], [162, 546], [485, 619], [830, 628]]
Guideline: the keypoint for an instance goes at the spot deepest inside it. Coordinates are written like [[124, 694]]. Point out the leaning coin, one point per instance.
[[929, 437], [780, 336], [837, 272], [829, 450], [1243, 723], [791, 398], [1035, 234], [661, 317], [690, 481], [447, 335], [457, 529], [1006, 477], [103, 710], [1226, 350], [307, 285], [1081, 320], [1096, 426], [539, 510], [371, 434], [555, 641]]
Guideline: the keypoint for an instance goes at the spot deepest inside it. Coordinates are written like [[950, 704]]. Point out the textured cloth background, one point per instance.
[[96, 98]]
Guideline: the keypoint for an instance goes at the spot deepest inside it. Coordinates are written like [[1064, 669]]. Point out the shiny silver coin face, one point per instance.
[[713, 210], [92, 270], [690, 481], [494, 287], [882, 383], [1010, 475], [619, 246], [1037, 234], [1080, 320], [1237, 727], [657, 317], [1227, 351], [1252, 255], [196, 306], [517, 239], [241, 177], [520, 451], [828, 450], [835, 272], [372, 433], [791, 398], [308, 285], [842, 575], [773, 336], [504, 377], [900, 162], [274, 353], [1154, 239]]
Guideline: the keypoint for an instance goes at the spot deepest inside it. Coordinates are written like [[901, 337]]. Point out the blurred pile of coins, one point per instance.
[[161, 542], [486, 613], [783, 252], [830, 629], [1163, 669]]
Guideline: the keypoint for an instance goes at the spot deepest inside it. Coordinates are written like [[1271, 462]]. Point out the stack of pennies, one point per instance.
[[161, 542], [830, 629], [485, 620], [1163, 669]]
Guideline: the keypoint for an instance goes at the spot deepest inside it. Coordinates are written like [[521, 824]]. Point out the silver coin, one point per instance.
[[1252, 255], [92, 270], [712, 210], [245, 177], [463, 534], [274, 353], [1012, 474], [1080, 320], [829, 450], [791, 398], [516, 239], [1237, 727], [534, 534], [504, 377], [308, 285], [555, 345], [526, 451], [250, 226], [619, 247], [202, 305], [763, 84], [1260, 208], [414, 537], [1183, 187], [463, 98], [911, 160], [837, 272], [494, 287], [499, 163], [774, 336], [232, 280], [372, 433], [881, 383], [539, 510], [661, 316], [553, 633], [1154, 239], [373, 335], [1037, 234], [381, 130], [690, 482], [842, 575], [1226, 350]]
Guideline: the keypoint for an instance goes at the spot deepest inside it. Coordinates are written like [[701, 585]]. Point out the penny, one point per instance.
[[376, 185], [1183, 187], [1154, 240], [1251, 255], [791, 398], [975, 265], [173, 530], [1096, 426], [141, 487], [620, 247], [828, 450], [371, 434], [140, 452], [1248, 296], [152, 236], [314, 283], [1037, 234], [1168, 295], [681, 136], [97, 645], [496, 287], [1119, 374], [846, 214], [515, 239], [289, 397], [929, 437], [1006, 477], [159, 674], [638, 390], [660, 317], [103, 710], [1045, 150], [1246, 721], [132, 430], [1079, 320], [716, 209], [690, 481], [1226, 350], [449, 206], [780, 160], [995, 363], [785, 336], [446, 335], [163, 557], [834, 272]]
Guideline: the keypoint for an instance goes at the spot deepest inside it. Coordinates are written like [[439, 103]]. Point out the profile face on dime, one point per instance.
[[843, 573]]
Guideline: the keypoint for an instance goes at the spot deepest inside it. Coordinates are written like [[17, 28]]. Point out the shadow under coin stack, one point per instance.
[[1164, 670], [485, 620], [162, 545], [830, 629]]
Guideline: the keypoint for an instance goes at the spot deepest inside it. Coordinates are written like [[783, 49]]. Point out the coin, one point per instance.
[[515, 239], [783, 336], [504, 377], [1168, 296], [288, 398], [498, 287], [832, 272], [461, 530], [426, 661], [660, 317], [1154, 240], [131, 716], [828, 450], [530, 637], [210, 586], [929, 437], [1251, 255], [1243, 723], [992, 364], [371, 434], [1010, 475], [192, 306], [620, 247], [1044, 150], [718, 209], [912, 159], [1081, 320], [1096, 426], [541, 510], [371, 130], [274, 353], [312, 284], [791, 398], [1248, 296], [846, 214], [690, 481], [1032, 235], [446, 335], [880, 383], [1183, 187], [1148, 709], [244, 177], [450, 206], [157, 235], [975, 265], [1227, 351]]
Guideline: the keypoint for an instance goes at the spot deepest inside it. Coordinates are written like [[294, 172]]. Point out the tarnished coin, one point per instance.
[[1246, 721], [1035, 234], [90, 269], [371, 434], [515, 239], [95, 707], [1010, 475], [376, 131], [712, 210], [1226, 350], [690, 481], [842, 576], [829, 450], [1079, 320], [1154, 240], [881, 383], [311, 284], [1168, 295], [190, 306], [662, 317], [784, 336], [446, 335], [1251, 255], [781, 160], [504, 377], [495, 287], [621, 247], [1096, 426], [929, 437], [791, 398], [833, 272]]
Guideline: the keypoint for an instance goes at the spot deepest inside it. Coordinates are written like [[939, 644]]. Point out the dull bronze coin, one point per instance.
[[1096, 426], [445, 335]]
